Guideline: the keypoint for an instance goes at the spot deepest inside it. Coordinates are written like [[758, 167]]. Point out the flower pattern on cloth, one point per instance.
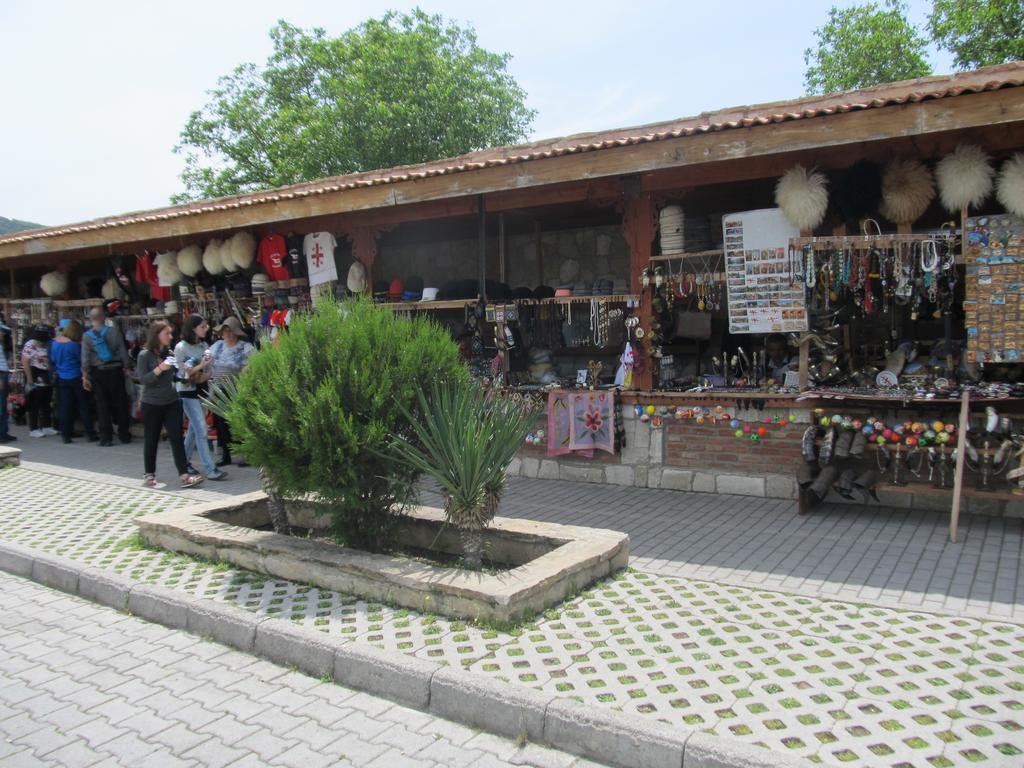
[[592, 422], [228, 362], [560, 426], [38, 354]]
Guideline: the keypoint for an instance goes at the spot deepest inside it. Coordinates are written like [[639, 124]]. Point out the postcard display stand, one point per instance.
[[765, 286], [994, 308]]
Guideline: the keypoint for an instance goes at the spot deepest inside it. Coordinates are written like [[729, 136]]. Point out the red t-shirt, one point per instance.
[[273, 256], [145, 272]]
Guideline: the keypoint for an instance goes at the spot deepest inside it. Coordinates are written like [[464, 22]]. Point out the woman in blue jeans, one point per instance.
[[193, 360]]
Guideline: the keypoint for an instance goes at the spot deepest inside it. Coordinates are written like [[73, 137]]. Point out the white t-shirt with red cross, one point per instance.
[[319, 250]]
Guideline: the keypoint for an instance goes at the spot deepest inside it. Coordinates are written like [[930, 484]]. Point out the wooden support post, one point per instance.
[[540, 253], [958, 473], [638, 221], [481, 246], [364, 250]]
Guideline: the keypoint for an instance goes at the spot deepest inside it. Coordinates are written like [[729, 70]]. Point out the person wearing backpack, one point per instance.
[[104, 366]]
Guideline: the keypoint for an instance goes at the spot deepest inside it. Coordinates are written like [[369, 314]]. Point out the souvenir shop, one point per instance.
[[818, 300]]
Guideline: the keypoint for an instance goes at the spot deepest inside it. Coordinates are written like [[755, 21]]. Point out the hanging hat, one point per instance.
[[429, 294], [259, 284], [1010, 191], [356, 281], [802, 196], [964, 177], [234, 324], [396, 288], [522, 293], [543, 292]]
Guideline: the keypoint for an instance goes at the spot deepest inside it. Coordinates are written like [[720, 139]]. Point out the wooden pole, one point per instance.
[[482, 246], [958, 474]]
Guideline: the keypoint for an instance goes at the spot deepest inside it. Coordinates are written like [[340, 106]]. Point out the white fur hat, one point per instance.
[[356, 281], [190, 260], [212, 262], [1010, 191], [239, 251], [54, 283], [907, 190], [111, 289], [802, 196], [965, 178], [167, 271]]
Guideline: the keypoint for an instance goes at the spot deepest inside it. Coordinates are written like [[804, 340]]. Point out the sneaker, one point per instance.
[[149, 481], [218, 475], [191, 470], [37, 433], [191, 481], [49, 431]]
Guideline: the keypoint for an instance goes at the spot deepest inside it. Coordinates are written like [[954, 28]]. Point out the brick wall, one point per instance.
[[714, 446]]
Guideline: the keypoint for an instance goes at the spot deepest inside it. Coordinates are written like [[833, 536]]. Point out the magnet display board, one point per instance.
[[765, 286], [994, 304]]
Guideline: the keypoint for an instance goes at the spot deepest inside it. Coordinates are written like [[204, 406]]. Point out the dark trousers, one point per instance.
[[155, 418], [5, 382], [38, 406], [223, 435], [71, 395], [111, 403]]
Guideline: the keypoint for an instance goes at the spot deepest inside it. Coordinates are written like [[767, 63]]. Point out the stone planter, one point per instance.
[[549, 562]]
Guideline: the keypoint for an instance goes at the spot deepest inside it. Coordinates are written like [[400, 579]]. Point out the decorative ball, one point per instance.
[[880, 439], [739, 433], [917, 427], [951, 428], [754, 437], [735, 423], [541, 434], [911, 441], [700, 419], [644, 417], [867, 429], [762, 431], [663, 410], [929, 434], [887, 433], [825, 421], [943, 437], [837, 419], [719, 409], [679, 413], [651, 410], [529, 438], [938, 426], [783, 421], [747, 429], [638, 409]]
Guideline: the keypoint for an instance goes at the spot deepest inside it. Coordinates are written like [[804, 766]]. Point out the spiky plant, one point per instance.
[[464, 438]]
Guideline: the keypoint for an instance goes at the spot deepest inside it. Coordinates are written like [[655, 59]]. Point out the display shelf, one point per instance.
[[620, 298], [418, 305], [673, 255]]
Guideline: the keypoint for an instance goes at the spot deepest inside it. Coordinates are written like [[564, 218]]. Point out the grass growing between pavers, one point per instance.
[[830, 681]]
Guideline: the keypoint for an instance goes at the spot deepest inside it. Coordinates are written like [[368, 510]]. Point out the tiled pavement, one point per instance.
[[826, 679], [82, 685], [882, 556]]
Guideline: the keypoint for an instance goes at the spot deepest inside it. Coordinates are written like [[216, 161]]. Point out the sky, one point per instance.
[[94, 95]]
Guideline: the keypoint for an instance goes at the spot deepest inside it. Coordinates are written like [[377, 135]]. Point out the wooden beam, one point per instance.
[[967, 111], [638, 224]]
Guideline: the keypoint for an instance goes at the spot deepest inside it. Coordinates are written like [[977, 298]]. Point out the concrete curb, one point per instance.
[[506, 709]]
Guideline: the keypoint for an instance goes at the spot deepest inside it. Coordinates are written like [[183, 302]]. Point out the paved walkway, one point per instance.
[[82, 685], [874, 555]]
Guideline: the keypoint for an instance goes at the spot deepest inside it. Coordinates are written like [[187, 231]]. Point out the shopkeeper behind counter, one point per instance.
[[779, 360]]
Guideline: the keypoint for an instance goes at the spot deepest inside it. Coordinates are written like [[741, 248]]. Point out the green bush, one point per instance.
[[318, 410]]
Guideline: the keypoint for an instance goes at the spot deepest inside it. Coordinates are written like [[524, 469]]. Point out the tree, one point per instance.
[[317, 410], [402, 89], [865, 45], [978, 33]]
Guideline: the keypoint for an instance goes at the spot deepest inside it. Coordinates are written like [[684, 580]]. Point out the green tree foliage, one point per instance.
[[978, 33], [317, 411], [864, 45], [405, 88]]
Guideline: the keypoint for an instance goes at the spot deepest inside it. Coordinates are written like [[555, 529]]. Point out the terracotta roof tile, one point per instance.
[[908, 91]]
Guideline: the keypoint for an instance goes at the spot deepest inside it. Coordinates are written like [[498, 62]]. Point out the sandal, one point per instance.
[[149, 480], [191, 481]]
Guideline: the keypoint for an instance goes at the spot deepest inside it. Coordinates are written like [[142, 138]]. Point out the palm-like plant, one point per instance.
[[464, 439]]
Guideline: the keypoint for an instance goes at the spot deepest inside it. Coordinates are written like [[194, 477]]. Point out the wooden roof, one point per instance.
[[983, 97]]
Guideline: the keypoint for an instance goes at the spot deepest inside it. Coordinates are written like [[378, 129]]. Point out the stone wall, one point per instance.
[[600, 252], [685, 456]]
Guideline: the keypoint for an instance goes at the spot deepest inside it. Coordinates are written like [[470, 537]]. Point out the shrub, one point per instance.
[[317, 411], [464, 439]]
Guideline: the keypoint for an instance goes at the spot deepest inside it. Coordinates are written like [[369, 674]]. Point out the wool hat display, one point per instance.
[[259, 284], [543, 292], [429, 294], [396, 288], [522, 293], [356, 280]]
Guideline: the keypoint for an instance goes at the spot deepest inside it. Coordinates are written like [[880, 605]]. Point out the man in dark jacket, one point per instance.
[[105, 364]]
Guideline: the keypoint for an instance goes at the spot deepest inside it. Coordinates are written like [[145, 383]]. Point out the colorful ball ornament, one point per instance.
[[699, 419], [719, 410], [867, 429], [747, 429], [938, 426], [645, 417], [917, 428], [754, 438], [880, 438], [943, 438], [951, 428], [739, 433], [929, 434], [651, 410], [783, 421], [638, 410], [735, 423], [825, 421], [887, 433], [680, 413], [911, 441], [762, 431]]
